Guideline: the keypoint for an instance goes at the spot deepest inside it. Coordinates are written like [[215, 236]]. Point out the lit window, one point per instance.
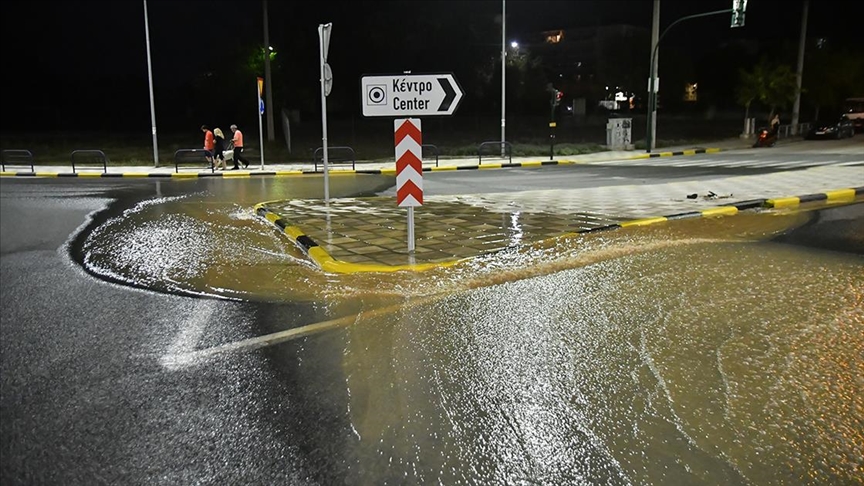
[[554, 37]]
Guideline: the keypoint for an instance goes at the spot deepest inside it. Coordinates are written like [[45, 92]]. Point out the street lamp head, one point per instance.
[[514, 44]]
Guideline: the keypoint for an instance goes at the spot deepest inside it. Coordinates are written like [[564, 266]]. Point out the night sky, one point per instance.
[[82, 64]]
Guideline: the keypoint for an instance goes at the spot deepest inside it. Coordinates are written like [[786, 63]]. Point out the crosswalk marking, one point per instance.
[[736, 162]]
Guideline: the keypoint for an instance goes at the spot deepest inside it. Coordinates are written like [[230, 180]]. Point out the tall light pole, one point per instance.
[[796, 106], [267, 84], [150, 77], [503, 70], [737, 11], [651, 136]]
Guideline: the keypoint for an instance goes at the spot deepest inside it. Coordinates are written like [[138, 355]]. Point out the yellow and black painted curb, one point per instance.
[[288, 173], [830, 197], [838, 196], [329, 264], [159, 175], [676, 153]]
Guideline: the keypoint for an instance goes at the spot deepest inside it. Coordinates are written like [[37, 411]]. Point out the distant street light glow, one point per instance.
[[514, 44]]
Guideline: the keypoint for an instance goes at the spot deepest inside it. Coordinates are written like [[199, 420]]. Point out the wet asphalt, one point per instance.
[[85, 400]]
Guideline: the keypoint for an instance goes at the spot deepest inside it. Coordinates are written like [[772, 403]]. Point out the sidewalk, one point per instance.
[[352, 235], [288, 169]]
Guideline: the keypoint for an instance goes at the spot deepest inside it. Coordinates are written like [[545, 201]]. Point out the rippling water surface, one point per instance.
[[694, 352]]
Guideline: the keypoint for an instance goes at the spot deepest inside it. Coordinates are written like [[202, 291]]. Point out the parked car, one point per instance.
[[854, 109], [834, 127]]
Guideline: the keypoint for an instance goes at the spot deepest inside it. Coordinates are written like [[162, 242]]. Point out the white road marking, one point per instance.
[[181, 351]]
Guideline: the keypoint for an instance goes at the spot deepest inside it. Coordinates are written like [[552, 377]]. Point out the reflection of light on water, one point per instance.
[[215, 248], [243, 214], [516, 234], [646, 357], [164, 246], [632, 360]]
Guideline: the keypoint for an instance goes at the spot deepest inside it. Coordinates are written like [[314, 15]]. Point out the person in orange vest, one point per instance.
[[238, 149], [209, 144]]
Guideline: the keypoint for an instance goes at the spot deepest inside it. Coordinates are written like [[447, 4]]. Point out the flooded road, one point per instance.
[[686, 364], [707, 351]]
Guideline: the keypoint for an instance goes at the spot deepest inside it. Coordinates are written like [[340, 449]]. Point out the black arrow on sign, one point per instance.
[[449, 94]]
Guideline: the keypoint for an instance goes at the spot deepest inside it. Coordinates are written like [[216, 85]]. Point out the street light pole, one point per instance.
[[503, 70], [267, 84], [796, 106], [150, 77], [651, 137]]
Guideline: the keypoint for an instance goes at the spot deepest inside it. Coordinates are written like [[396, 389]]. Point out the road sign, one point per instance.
[[410, 95], [260, 92], [328, 79], [408, 140], [739, 9]]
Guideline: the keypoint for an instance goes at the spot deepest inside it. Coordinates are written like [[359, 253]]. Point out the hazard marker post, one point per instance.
[[408, 141]]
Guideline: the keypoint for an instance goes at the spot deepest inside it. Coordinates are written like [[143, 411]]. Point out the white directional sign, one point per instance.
[[410, 95]]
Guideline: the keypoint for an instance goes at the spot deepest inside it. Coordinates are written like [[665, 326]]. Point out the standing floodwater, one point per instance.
[[693, 352]]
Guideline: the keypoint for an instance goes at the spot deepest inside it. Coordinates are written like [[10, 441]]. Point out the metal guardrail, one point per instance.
[[191, 156], [433, 149], [506, 146], [331, 151], [17, 157], [785, 131], [89, 155]]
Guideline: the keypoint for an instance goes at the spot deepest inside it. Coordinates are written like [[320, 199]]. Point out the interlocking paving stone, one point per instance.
[[374, 230]]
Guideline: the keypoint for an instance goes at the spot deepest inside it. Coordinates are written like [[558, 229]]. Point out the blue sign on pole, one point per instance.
[[261, 106]]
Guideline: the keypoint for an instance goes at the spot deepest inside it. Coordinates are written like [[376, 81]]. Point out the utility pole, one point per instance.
[[796, 106], [268, 86], [652, 80], [150, 78]]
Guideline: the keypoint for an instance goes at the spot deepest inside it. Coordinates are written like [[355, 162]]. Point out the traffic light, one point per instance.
[[739, 8], [556, 97]]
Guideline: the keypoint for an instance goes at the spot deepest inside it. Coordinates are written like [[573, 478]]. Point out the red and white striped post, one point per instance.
[[408, 139]]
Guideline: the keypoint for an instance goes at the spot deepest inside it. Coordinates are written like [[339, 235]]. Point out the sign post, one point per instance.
[[402, 96], [326, 84], [408, 141], [260, 126]]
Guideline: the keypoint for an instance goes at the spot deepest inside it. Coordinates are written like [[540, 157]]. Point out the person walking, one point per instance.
[[209, 144], [775, 123], [219, 149], [238, 149]]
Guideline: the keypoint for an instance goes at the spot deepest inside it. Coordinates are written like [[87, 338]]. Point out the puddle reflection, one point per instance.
[[694, 352]]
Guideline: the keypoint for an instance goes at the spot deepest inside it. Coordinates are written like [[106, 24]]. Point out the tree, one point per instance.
[[748, 88], [773, 85], [780, 88], [831, 76]]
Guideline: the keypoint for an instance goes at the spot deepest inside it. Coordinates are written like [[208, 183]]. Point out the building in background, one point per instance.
[[605, 65]]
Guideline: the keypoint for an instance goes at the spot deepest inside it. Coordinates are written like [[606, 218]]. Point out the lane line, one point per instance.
[[180, 353]]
